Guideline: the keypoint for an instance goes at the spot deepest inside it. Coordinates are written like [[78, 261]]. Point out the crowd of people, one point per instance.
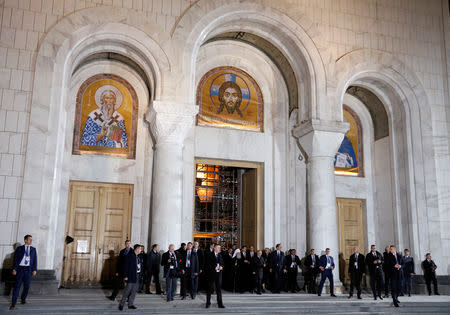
[[256, 271]]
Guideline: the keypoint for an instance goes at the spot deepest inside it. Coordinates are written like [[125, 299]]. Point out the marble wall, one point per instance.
[[394, 48]]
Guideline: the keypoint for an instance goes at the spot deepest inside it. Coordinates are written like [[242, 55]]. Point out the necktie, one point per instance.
[[26, 251]]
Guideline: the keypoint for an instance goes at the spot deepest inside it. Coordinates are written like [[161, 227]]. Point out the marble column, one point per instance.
[[320, 141], [169, 123]]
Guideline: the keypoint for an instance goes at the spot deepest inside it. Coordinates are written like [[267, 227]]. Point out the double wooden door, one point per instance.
[[99, 221], [351, 232]]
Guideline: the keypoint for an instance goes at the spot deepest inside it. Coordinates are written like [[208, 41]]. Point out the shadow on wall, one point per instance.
[[6, 278]]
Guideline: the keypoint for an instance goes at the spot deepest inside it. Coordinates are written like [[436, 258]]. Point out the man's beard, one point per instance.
[[230, 109]]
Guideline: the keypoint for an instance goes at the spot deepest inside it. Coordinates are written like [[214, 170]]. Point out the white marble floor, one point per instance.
[[94, 301]]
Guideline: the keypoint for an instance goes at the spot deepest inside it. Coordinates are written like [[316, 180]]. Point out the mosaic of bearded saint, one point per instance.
[[105, 127], [230, 97]]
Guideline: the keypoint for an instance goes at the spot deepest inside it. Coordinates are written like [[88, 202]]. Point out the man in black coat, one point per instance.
[[153, 260], [277, 263], [429, 272], [374, 262], [394, 267], [387, 275], [408, 271], [143, 276], [213, 270], [186, 270], [131, 274], [246, 271], [259, 263], [356, 270], [118, 279], [195, 265], [172, 267], [292, 264], [312, 265]]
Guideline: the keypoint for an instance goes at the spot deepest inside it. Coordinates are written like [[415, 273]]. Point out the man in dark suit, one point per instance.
[[246, 270], [326, 266], [312, 265], [171, 269], [213, 270], [266, 278], [429, 272], [181, 253], [143, 275], [394, 266], [153, 269], [24, 266], [195, 264], [408, 271], [292, 264], [258, 270], [356, 270], [131, 273], [118, 279], [374, 262], [387, 274], [277, 264], [185, 277]]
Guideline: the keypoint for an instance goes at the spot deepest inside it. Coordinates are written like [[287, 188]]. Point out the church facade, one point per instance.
[[312, 124]]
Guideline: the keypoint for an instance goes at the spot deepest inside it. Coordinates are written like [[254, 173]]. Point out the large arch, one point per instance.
[[295, 39], [66, 45], [409, 114]]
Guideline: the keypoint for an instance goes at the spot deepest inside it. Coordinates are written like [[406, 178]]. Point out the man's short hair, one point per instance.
[[215, 245], [392, 246], [372, 245], [26, 237], [136, 246], [126, 241], [278, 245], [154, 246], [406, 250], [183, 244], [189, 243], [427, 254], [327, 248]]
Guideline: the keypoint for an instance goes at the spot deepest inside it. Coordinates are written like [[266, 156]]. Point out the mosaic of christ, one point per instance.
[[229, 97]]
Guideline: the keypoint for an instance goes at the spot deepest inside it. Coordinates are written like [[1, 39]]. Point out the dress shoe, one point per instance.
[[120, 307], [132, 307], [375, 297], [319, 294], [409, 295], [380, 297], [396, 304], [401, 294], [183, 298], [386, 295], [140, 291], [333, 295], [429, 293], [23, 302], [13, 306], [437, 293], [111, 297], [221, 306], [350, 296], [259, 293], [208, 305], [359, 297], [148, 292], [263, 291]]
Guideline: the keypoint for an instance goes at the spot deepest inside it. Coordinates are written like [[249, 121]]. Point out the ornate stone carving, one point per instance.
[[170, 121]]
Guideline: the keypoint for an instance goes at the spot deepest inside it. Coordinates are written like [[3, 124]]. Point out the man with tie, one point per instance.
[[326, 266], [118, 280], [356, 270], [374, 262], [171, 268], [132, 270], [408, 271], [24, 266], [292, 264], [185, 277], [252, 279], [429, 272], [394, 266], [312, 265], [387, 279], [213, 270], [194, 263], [153, 269], [277, 263], [258, 270], [246, 268]]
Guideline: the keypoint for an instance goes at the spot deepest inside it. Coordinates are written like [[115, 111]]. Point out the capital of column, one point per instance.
[[320, 138], [171, 121]]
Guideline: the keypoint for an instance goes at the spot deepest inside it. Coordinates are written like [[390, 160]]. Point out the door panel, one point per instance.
[[351, 233], [98, 218], [249, 208]]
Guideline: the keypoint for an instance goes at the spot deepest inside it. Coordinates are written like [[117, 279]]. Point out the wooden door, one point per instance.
[[249, 208], [99, 221], [350, 224]]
